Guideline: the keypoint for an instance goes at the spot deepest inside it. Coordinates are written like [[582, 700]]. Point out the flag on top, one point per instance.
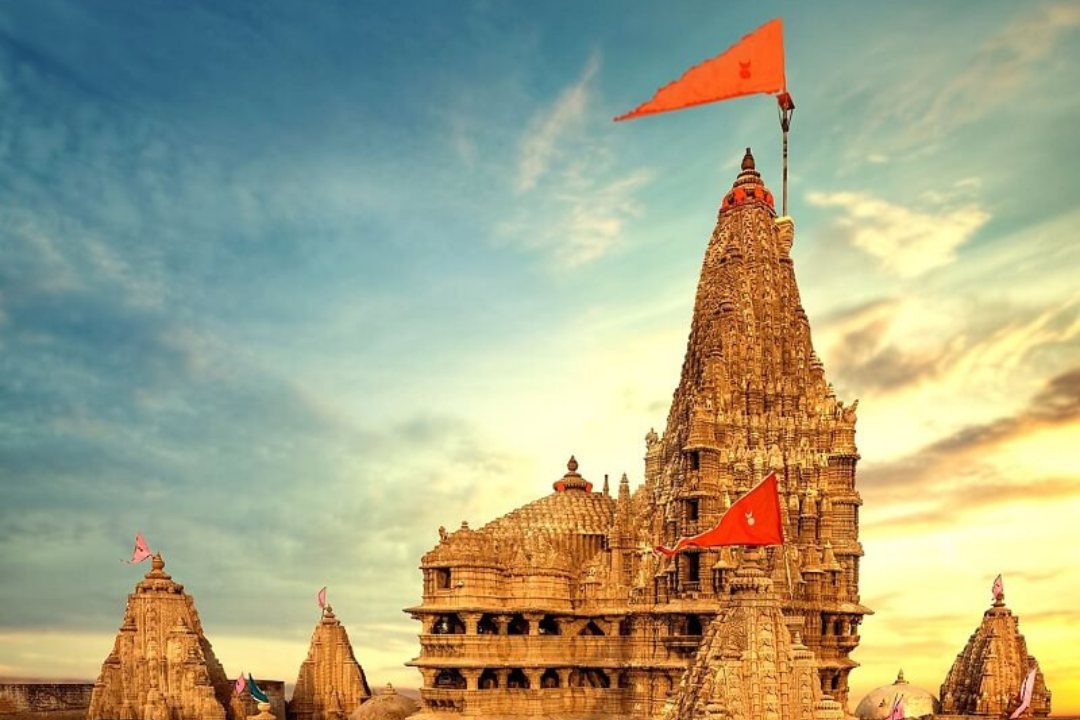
[[753, 519], [1026, 688], [241, 684], [141, 551], [999, 589], [322, 598], [256, 693], [753, 65]]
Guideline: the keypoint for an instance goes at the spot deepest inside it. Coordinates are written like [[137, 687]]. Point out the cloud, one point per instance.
[[573, 200], [935, 485], [906, 241], [549, 130], [1003, 67]]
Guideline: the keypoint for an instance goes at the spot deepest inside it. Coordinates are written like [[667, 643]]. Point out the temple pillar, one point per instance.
[[472, 678], [471, 620], [502, 622], [534, 622]]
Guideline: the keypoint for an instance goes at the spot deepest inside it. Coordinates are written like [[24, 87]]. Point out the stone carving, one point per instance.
[[752, 397], [131, 685], [331, 684]]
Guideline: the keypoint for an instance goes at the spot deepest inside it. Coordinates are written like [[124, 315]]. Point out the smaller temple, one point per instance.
[[331, 684], [985, 679], [749, 666], [919, 703], [161, 664]]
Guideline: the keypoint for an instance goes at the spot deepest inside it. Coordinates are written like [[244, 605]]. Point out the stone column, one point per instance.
[[534, 622], [471, 620], [502, 622], [472, 678]]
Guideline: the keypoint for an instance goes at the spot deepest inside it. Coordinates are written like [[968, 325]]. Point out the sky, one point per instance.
[[287, 286]]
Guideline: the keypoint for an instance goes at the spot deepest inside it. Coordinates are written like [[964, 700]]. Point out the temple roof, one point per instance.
[[918, 702], [986, 677], [572, 508]]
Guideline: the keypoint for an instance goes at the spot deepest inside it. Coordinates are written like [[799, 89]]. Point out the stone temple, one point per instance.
[[561, 607]]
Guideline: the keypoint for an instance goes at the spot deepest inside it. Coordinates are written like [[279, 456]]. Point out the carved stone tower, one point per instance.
[[161, 665], [561, 608], [331, 684], [985, 679]]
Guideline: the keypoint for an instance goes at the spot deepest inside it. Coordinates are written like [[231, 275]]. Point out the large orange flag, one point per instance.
[[753, 519], [755, 64]]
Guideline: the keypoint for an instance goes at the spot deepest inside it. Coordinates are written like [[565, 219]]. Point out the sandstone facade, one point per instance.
[[331, 684], [161, 664], [560, 607]]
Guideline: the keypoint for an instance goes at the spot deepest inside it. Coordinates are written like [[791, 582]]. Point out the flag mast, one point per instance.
[[786, 109]]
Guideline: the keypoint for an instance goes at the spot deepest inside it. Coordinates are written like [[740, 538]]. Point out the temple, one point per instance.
[[331, 684], [161, 664], [561, 607], [985, 679]]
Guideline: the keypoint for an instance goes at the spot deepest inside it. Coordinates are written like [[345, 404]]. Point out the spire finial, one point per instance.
[[748, 161], [572, 464]]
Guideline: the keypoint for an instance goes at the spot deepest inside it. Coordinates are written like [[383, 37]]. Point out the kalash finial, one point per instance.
[[748, 161], [748, 187], [572, 480]]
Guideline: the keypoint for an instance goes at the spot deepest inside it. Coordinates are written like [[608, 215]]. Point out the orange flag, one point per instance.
[[753, 519], [755, 64]]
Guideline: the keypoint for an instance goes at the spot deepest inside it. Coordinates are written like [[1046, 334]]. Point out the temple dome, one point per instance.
[[918, 702], [387, 705]]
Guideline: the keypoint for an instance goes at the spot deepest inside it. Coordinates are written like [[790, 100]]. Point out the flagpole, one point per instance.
[[787, 109]]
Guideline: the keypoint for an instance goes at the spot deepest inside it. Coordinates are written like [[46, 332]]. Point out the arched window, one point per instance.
[[487, 626], [442, 578], [591, 629], [448, 625], [517, 680], [550, 679], [489, 680], [693, 625], [549, 626], [450, 680]]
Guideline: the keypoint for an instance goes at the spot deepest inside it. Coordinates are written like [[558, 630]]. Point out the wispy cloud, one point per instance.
[[547, 135], [574, 200], [906, 241]]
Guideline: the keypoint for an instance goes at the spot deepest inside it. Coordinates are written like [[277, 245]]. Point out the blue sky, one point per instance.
[[288, 286]]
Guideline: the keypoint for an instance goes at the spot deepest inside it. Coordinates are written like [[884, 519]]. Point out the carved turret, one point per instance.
[[161, 664], [985, 679], [331, 683]]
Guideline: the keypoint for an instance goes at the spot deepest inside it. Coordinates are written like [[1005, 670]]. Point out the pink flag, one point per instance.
[[999, 589], [241, 684], [1026, 689], [141, 550], [322, 598], [897, 710]]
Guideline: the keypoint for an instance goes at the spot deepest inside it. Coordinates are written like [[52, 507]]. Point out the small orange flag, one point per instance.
[[753, 65]]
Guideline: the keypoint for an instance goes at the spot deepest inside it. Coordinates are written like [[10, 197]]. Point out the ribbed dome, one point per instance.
[[918, 702], [387, 705]]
